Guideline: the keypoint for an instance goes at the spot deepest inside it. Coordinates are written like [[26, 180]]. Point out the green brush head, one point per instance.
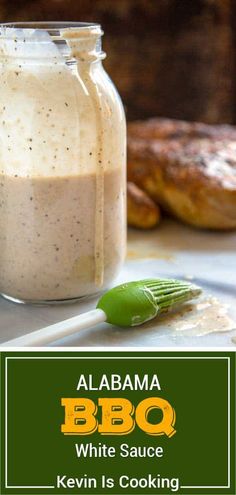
[[134, 303]]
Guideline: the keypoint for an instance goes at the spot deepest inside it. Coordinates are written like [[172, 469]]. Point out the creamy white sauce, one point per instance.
[[208, 315], [57, 122], [82, 44]]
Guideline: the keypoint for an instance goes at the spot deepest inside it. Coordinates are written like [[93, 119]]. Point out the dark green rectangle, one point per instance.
[[200, 387]]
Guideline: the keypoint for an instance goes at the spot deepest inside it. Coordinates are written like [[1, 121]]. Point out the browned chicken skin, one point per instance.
[[187, 168], [142, 212], [171, 129]]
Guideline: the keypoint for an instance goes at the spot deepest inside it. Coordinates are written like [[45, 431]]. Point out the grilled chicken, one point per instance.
[[189, 169], [180, 130], [142, 212]]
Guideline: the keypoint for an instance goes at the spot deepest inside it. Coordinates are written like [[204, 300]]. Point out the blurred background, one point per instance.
[[172, 58]]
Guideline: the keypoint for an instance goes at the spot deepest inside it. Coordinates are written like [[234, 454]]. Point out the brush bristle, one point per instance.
[[134, 303], [170, 293]]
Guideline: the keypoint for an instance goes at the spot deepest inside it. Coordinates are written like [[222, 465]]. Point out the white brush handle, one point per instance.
[[58, 330]]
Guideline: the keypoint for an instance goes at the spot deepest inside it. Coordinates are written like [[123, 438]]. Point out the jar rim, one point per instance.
[[54, 28], [49, 25], [62, 33]]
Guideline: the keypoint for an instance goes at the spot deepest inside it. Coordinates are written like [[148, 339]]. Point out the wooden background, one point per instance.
[[172, 58]]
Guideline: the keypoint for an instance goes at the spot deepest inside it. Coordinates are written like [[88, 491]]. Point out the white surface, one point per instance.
[[59, 330], [172, 250]]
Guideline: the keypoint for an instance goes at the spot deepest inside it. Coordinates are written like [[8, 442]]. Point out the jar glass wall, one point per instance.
[[62, 164]]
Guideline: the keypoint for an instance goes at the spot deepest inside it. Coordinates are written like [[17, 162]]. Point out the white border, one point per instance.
[[112, 357]]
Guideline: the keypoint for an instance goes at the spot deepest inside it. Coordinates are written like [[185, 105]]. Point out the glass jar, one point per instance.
[[62, 164]]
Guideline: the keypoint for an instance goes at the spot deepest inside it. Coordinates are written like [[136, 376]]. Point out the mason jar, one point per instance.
[[62, 164]]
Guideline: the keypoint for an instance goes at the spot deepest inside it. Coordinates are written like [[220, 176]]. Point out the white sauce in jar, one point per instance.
[[62, 167]]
